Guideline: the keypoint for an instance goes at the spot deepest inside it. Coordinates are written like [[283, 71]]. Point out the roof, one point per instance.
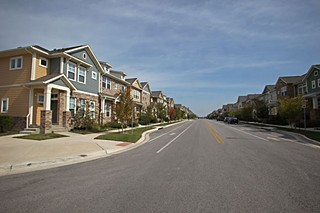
[[131, 80], [316, 66], [51, 78], [118, 72], [241, 99], [268, 88], [291, 79], [143, 84], [156, 94], [66, 49]]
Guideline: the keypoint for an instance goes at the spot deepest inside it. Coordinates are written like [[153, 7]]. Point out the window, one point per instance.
[[108, 109], [40, 98], [84, 56], [94, 75], [302, 89], [82, 75], [136, 94], [108, 83], [318, 82], [104, 81], [16, 63], [115, 85], [43, 62], [122, 88], [4, 105], [316, 73], [82, 106], [71, 71], [283, 91], [313, 84], [72, 106], [92, 108]]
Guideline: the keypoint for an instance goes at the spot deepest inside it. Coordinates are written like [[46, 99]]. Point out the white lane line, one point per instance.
[[173, 139], [248, 133], [166, 133], [272, 138]]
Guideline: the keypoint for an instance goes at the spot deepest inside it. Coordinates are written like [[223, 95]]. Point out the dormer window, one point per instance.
[[43, 62]]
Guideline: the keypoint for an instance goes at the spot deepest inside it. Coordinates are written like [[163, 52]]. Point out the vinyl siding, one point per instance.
[[40, 70], [15, 76], [18, 100]]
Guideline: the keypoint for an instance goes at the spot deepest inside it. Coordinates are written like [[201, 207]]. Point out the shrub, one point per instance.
[[309, 124], [5, 123], [115, 125]]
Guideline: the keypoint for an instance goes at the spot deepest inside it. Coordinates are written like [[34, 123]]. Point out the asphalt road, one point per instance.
[[197, 166]]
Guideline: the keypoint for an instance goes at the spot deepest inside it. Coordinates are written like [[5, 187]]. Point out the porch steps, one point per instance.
[[30, 131], [59, 129]]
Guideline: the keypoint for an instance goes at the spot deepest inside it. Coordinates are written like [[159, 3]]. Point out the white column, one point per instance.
[[103, 102], [61, 65], [47, 98], [33, 66], [30, 105], [67, 101], [315, 103]]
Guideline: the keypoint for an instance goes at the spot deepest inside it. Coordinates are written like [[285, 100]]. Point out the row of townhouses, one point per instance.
[[307, 85], [46, 88]]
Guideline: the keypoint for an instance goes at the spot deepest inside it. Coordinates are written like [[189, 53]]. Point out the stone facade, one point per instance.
[[46, 121], [66, 119], [89, 97]]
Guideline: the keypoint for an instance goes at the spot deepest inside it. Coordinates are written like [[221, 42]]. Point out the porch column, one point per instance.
[[47, 98], [30, 106], [315, 103], [68, 101], [102, 111]]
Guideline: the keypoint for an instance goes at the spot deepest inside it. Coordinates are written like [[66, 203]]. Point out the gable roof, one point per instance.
[[132, 80], [311, 69], [268, 88], [291, 79], [51, 78], [156, 94]]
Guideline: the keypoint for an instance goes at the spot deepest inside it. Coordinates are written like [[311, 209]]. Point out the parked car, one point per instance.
[[220, 118], [233, 120], [226, 119]]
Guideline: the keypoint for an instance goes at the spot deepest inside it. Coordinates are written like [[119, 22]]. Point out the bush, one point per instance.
[[309, 124], [115, 125], [5, 123], [144, 119]]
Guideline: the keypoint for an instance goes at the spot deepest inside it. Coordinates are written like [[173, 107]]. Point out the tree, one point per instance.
[[172, 114], [291, 109], [161, 111], [262, 111], [124, 108]]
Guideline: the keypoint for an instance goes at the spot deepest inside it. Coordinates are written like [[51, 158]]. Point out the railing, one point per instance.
[[27, 121]]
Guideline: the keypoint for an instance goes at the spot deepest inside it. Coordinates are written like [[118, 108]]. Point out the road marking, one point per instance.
[[214, 134], [172, 133], [249, 134], [165, 133], [272, 138], [173, 139]]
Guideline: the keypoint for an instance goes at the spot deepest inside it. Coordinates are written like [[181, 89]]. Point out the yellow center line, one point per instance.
[[214, 134]]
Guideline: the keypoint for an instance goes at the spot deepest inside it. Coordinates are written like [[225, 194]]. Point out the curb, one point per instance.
[[29, 166]]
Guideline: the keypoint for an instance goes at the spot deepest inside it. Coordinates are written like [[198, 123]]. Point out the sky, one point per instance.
[[203, 53]]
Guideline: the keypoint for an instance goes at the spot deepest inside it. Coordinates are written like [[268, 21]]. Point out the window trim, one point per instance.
[[7, 105], [318, 82], [316, 73], [38, 101], [92, 110], [313, 84], [108, 86], [75, 71], [43, 59], [94, 73], [84, 55], [104, 82], [74, 104], [84, 76], [16, 63]]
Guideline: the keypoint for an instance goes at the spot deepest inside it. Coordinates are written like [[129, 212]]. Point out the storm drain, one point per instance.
[[83, 156]]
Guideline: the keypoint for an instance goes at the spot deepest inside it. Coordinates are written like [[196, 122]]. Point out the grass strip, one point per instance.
[[128, 136], [8, 133], [309, 134], [40, 137]]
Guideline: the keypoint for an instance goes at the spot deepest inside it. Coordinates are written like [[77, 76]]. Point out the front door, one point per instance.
[[54, 109]]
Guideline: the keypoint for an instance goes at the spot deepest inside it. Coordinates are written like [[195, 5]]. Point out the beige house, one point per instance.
[[136, 94]]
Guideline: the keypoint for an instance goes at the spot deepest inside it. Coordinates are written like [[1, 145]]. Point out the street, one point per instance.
[[195, 166]]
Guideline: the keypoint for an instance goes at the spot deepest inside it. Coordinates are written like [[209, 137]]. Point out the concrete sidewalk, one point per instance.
[[22, 155]]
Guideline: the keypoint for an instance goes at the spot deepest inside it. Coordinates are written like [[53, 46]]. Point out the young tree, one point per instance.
[[172, 114], [291, 109], [124, 108], [262, 111]]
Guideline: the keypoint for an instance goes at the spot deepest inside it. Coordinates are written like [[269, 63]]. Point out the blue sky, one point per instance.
[[202, 53]]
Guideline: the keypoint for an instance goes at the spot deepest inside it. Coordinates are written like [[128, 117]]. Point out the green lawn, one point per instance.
[[40, 137], [309, 134], [128, 136]]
